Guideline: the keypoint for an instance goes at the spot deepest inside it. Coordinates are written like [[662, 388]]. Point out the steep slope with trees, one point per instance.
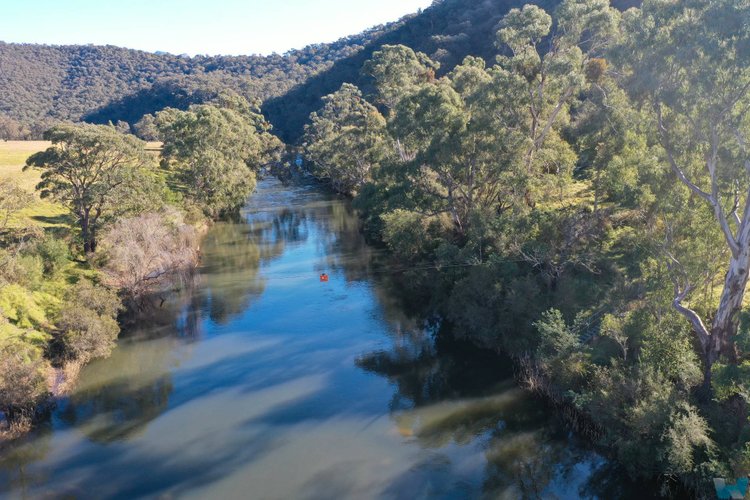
[[40, 84], [583, 204]]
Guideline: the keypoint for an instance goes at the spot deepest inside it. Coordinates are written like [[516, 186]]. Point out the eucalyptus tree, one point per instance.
[[216, 152], [397, 71], [690, 62], [346, 140], [546, 69], [96, 172], [460, 161]]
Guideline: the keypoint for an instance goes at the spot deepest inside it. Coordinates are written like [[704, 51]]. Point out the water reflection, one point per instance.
[[15, 460], [451, 394], [260, 381], [118, 397], [230, 274]]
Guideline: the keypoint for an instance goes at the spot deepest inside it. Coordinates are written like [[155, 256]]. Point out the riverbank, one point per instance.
[[503, 304], [261, 369], [60, 309], [61, 382]]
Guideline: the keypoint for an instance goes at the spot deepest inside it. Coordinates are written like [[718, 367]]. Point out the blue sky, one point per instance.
[[195, 26]]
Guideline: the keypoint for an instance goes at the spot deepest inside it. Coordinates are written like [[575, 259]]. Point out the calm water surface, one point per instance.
[[264, 382]]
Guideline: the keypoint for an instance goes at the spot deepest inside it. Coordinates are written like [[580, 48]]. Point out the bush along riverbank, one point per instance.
[[582, 203], [130, 236]]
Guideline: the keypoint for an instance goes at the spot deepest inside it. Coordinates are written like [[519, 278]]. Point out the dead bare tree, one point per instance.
[[150, 253]]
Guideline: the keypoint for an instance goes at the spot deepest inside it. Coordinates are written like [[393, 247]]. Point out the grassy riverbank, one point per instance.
[[30, 298], [98, 226], [44, 276]]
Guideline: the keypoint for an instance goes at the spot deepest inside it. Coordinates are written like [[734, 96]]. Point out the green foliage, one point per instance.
[[555, 337], [96, 172], [689, 61], [408, 235], [540, 184], [88, 321], [397, 70], [54, 253], [731, 380], [34, 342], [105, 83], [31, 269], [549, 185], [346, 140], [523, 29], [687, 440], [216, 152], [666, 346], [13, 199], [21, 307]]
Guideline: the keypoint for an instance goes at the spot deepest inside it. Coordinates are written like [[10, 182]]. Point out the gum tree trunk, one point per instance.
[[718, 341]]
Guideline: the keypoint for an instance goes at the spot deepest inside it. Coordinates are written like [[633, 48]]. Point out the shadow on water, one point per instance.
[[257, 379], [451, 393]]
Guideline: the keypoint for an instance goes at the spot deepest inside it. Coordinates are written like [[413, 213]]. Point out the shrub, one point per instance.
[[22, 382], [407, 234], [149, 253], [88, 321], [555, 335], [54, 253], [20, 306]]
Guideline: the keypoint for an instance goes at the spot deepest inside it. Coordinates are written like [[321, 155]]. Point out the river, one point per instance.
[[264, 382]]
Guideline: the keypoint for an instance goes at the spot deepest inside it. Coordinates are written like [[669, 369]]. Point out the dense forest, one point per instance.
[[42, 84], [583, 201], [567, 182]]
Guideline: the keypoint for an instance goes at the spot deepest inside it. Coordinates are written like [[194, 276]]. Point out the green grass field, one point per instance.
[[13, 155]]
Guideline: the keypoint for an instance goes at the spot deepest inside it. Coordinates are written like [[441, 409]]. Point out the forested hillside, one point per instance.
[[40, 84], [583, 204], [447, 32], [72, 82]]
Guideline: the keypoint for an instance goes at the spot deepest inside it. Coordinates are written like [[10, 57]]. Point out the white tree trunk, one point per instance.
[[725, 321], [719, 341]]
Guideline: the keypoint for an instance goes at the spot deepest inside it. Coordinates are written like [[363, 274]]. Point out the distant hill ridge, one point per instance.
[[107, 83]]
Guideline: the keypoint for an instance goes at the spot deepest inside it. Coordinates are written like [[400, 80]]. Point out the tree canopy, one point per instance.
[[216, 152], [97, 172], [346, 140]]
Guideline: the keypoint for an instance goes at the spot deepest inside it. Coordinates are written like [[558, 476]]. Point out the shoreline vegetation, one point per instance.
[[98, 227], [581, 202]]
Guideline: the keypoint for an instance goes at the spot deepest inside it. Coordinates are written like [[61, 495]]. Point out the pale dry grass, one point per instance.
[[9, 432], [61, 381], [13, 155]]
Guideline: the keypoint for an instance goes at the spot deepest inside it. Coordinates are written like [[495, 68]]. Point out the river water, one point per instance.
[[264, 382]]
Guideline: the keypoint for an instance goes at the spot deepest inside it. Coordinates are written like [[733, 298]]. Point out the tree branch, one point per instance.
[[673, 163]]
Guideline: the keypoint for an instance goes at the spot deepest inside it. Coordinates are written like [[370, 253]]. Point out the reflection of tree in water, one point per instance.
[[117, 397], [430, 367], [341, 240], [278, 229], [231, 260], [333, 220], [175, 314], [16, 457], [450, 391]]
